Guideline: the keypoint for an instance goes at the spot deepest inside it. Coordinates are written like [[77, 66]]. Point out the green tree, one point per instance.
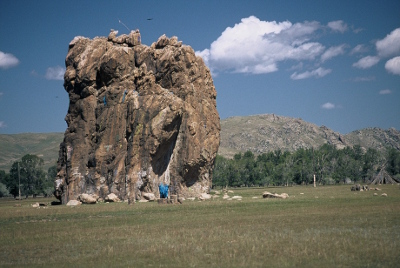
[[31, 175], [4, 178], [393, 162], [220, 174], [370, 162]]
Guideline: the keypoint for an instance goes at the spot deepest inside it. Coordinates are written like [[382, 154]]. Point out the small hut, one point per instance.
[[383, 177]]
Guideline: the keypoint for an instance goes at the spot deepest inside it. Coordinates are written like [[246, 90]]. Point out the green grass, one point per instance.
[[323, 227]]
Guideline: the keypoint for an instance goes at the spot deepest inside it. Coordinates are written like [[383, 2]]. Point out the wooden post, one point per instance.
[[19, 182], [314, 181]]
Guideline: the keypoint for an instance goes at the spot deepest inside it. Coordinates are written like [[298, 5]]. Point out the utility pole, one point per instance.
[[19, 182]]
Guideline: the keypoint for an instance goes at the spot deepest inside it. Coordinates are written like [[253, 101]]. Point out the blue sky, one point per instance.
[[333, 63]]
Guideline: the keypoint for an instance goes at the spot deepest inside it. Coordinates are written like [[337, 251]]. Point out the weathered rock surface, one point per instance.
[[112, 198], [205, 196], [149, 196], [267, 194], [138, 116], [74, 203], [87, 199]]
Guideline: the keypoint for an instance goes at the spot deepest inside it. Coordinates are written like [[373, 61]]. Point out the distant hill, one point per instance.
[[14, 146], [258, 133], [269, 132], [375, 138]]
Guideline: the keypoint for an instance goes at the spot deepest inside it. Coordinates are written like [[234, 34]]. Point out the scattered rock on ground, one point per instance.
[[181, 199], [74, 203], [149, 196], [204, 196], [267, 194], [87, 199], [112, 198]]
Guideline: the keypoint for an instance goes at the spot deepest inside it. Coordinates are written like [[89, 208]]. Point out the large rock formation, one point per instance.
[[138, 116]]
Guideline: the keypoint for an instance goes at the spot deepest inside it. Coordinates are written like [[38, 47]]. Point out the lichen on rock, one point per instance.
[[138, 116]]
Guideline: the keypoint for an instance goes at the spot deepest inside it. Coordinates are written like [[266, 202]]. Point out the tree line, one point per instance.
[[330, 166], [278, 168], [28, 176]]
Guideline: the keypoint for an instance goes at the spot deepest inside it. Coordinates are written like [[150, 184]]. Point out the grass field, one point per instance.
[[326, 226]]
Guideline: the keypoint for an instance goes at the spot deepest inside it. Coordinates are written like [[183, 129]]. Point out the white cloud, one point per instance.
[[366, 62], [390, 45], [55, 73], [333, 52], [393, 65], [2, 124], [338, 26], [364, 79], [358, 49], [328, 106], [356, 30], [7, 60], [297, 66], [255, 46], [385, 92], [320, 72]]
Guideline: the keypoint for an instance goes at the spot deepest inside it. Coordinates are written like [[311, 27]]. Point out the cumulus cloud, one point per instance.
[[255, 46], [390, 45], [328, 106], [386, 47], [320, 72], [2, 124], [338, 26], [8, 60], [385, 92], [333, 52], [366, 62], [55, 73], [393, 65]]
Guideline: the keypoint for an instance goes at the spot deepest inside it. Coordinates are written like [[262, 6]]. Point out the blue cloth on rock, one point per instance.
[[163, 190]]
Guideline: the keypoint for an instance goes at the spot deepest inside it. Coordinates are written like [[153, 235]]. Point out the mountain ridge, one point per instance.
[[269, 132]]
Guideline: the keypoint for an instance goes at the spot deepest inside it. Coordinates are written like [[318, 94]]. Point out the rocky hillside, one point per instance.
[[375, 138], [269, 132], [14, 147]]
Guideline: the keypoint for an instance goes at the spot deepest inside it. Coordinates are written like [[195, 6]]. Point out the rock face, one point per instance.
[[138, 116]]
